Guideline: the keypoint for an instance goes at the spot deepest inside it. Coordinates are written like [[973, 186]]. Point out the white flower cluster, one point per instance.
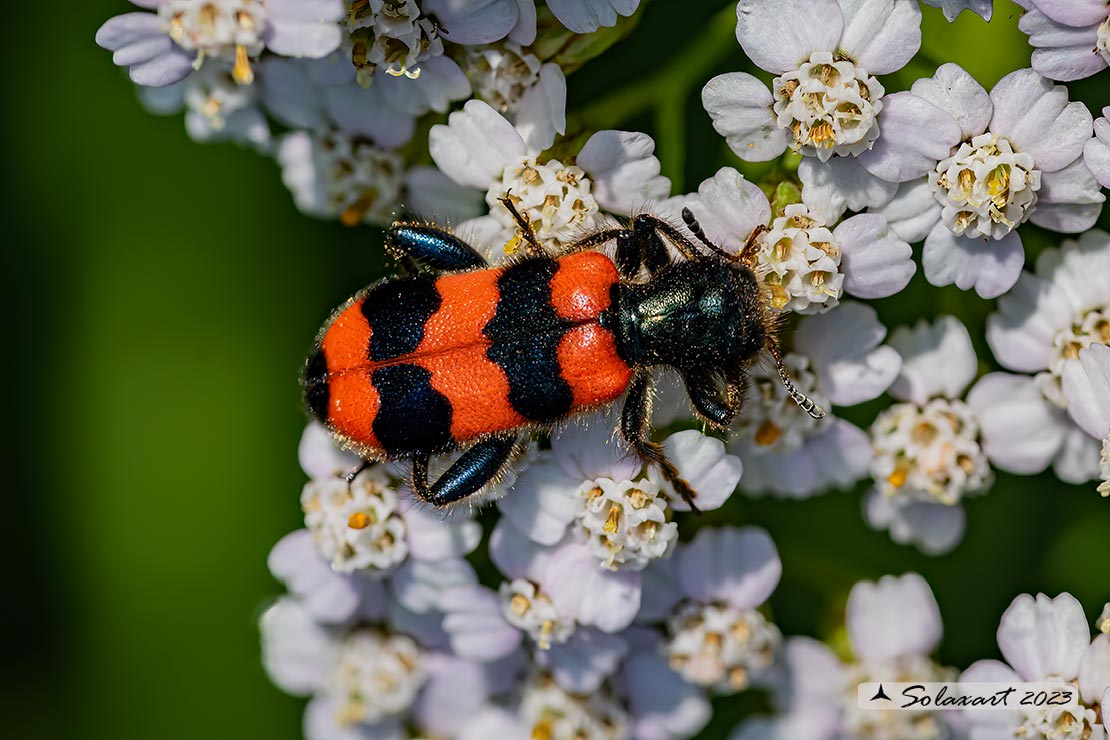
[[602, 610], [386, 625], [894, 626]]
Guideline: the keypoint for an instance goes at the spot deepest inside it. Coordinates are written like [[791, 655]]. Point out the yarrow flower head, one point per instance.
[[162, 48], [857, 142], [1086, 386], [707, 598], [1039, 330], [1017, 156], [928, 449], [1046, 639], [478, 147], [806, 265], [1071, 40], [893, 627]]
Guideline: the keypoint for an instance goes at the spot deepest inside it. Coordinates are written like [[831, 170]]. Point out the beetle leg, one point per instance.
[[646, 222], [717, 405], [436, 248], [635, 427], [475, 468]]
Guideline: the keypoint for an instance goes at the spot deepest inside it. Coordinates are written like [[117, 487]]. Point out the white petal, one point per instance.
[[842, 183], [957, 93], [419, 585], [578, 586], [664, 706], [1087, 388], [591, 448], [366, 113], [836, 458], [295, 28], [624, 171], [1062, 52], [881, 35], [842, 455], [475, 626], [896, 617], [915, 136], [543, 109], [543, 502], [989, 266], [1094, 670], [821, 722], [475, 145], [290, 94], [814, 672], [140, 42], [441, 81], [328, 596], [320, 457], [935, 529], [1036, 116], [1074, 12], [843, 346], [740, 106], [435, 536], [737, 565], [474, 21], [1044, 637], [1078, 459], [586, 16], [937, 360], [1069, 199], [912, 212], [876, 263], [953, 8], [1096, 152], [991, 724], [1021, 333], [780, 36], [321, 722], [514, 554], [296, 651], [581, 664], [492, 721], [1022, 431], [730, 208], [661, 590], [1070, 268], [705, 465], [435, 197], [524, 32]]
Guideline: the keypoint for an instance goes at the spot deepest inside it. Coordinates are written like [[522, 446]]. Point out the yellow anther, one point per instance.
[[898, 477], [767, 434], [823, 135], [242, 72], [358, 520], [520, 604], [612, 521]]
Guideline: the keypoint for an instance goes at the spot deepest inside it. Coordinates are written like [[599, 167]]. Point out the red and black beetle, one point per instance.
[[461, 356]]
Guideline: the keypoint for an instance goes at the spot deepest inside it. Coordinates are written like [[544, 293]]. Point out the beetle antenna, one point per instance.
[[699, 234], [804, 402]]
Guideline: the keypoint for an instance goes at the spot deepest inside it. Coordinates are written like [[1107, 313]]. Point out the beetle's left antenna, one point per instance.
[[804, 402], [699, 234]]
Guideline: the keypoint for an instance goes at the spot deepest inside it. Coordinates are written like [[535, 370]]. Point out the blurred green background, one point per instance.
[[161, 296]]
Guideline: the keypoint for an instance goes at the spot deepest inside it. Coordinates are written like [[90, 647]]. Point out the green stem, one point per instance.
[[666, 93]]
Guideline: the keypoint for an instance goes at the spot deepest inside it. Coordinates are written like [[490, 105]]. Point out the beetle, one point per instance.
[[462, 356]]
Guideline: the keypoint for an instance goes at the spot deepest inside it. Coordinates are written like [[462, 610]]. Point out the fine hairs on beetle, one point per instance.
[[461, 356]]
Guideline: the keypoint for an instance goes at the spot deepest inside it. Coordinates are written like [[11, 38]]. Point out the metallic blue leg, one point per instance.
[[432, 247], [475, 468]]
